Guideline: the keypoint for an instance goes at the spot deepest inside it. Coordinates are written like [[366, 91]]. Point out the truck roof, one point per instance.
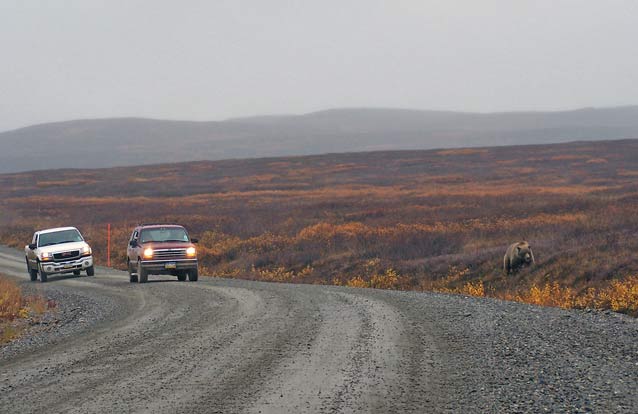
[[153, 226], [55, 229]]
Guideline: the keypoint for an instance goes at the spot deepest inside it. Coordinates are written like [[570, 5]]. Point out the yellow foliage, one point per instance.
[[454, 274], [8, 332], [620, 296], [357, 282], [551, 294], [473, 289], [469, 289], [387, 280], [281, 274], [10, 299], [224, 271], [14, 306], [372, 265], [390, 279]]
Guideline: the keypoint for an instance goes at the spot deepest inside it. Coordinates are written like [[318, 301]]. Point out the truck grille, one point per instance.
[[64, 256], [169, 254]]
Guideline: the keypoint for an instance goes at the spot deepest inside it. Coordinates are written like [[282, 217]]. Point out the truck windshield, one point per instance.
[[58, 237], [164, 234]]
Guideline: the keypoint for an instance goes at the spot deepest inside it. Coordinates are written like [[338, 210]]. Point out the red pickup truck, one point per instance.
[[161, 249]]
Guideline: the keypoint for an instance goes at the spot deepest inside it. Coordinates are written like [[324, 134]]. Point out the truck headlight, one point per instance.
[[45, 256], [86, 251], [148, 253], [191, 252]]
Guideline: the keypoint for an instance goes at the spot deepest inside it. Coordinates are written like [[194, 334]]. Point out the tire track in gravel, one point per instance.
[[170, 351], [183, 349], [229, 379], [305, 381]]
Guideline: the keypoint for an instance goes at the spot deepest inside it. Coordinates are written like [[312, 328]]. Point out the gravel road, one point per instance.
[[236, 346]]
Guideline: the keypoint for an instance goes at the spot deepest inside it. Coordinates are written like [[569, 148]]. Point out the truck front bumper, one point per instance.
[[69, 266], [168, 266]]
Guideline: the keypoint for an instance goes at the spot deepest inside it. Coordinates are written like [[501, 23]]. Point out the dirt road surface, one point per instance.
[[232, 346]]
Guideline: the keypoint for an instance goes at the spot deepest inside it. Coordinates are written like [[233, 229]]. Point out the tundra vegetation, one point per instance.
[[18, 310], [410, 220]]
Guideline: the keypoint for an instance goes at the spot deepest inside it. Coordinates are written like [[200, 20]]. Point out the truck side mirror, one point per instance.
[[133, 243], [32, 246], [194, 241]]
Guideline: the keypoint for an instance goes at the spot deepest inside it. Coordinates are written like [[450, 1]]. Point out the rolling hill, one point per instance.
[[135, 141]]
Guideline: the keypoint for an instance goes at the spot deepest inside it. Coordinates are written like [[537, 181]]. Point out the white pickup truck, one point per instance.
[[56, 251]]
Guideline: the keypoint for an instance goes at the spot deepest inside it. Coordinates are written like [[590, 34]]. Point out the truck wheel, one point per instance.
[[76, 273], [142, 273], [132, 277], [181, 275], [90, 271], [193, 275], [43, 275], [33, 274]]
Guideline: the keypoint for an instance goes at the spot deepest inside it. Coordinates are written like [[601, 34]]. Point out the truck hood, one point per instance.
[[62, 247], [168, 245]]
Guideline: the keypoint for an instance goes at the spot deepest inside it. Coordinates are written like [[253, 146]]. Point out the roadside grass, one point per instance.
[[16, 309], [617, 295]]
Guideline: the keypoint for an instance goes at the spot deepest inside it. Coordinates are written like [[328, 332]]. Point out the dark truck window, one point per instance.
[[57, 237], [164, 234]]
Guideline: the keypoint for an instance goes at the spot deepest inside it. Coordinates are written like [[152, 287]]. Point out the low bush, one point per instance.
[[16, 307]]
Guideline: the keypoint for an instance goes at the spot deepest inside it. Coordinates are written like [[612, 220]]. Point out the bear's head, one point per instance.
[[524, 251]]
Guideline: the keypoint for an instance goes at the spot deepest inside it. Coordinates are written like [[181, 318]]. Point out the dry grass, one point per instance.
[[617, 295], [10, 300], [15, 308]]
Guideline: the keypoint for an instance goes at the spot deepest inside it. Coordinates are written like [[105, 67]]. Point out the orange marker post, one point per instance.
[[108, 245]]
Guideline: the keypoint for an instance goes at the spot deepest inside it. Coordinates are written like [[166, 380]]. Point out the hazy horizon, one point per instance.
[[276, 115], [233, 59]]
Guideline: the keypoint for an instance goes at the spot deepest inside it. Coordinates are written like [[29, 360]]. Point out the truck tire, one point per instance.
[[142, 273], [181, 275], [90, 271], [43, 275], [193, 275], [33, 274], [132, 277]]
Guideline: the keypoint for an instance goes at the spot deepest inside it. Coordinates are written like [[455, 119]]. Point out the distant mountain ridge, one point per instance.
[[113, 142]]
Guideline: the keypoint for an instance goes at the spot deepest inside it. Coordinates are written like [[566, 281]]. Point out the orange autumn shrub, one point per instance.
[[14, 307], [357, 282], [551, 294], [620, 296], [10, 299]]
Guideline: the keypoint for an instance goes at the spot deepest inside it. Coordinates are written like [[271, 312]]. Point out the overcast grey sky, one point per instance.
[[210, 60]]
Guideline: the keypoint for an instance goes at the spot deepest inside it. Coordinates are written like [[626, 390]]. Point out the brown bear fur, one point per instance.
[[517, 255]]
